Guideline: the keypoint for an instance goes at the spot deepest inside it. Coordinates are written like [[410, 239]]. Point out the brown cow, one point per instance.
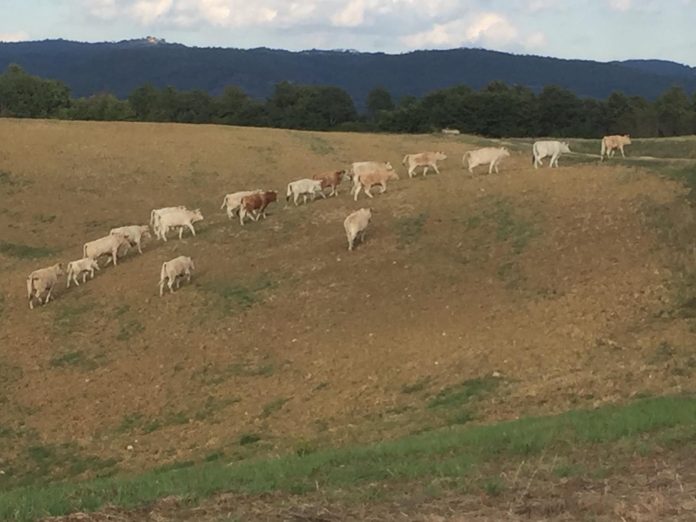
[[255, 205], [330, 179]]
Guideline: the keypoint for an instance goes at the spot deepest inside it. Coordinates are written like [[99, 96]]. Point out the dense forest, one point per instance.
[[121, 67], [496, 110]]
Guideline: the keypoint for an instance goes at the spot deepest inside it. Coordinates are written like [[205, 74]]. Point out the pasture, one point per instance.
[[473, 300]]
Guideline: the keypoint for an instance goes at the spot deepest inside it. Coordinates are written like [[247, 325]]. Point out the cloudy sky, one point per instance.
[[591, 29]]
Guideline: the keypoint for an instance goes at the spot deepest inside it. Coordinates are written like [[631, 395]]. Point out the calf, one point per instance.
[[491, 155], [367, 181], [304, 188], [81, 266], [356, 224], [112, 245], [134, 234], [330, 179], [611, 143], [173, 271], [42, 282], [255, 205], [423, 159]]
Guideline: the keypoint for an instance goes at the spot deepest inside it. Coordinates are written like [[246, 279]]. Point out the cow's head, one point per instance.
[[60, 270], [271, 195], [565, 147], [94, 264], [197, 216], [388, 165], [393, 175], [504, 152], [440, 156]]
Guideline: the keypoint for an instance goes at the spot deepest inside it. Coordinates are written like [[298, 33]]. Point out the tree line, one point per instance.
[[497, 110]]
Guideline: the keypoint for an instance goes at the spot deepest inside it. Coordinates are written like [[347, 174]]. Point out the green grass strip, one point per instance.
[[451, 452]]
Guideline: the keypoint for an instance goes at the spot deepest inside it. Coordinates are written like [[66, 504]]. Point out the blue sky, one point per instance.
[[589, 29]]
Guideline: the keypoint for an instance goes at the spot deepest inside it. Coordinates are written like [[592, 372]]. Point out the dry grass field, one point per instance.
[[473, 299]]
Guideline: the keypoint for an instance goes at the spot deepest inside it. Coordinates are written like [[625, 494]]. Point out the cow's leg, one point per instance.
[[350, 242], [366, 190], [436, 169], [294, 198], [31, 302], [384, 187], [48, 296], [622, 152], [425, 171], [140, 250], [193, 230], [490, 167], [496, 167], [75, 279], [357, 191]]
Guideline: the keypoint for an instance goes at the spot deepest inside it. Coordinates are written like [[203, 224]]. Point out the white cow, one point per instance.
[[541, 149], [423, 159], [304, 187], [81, 266], [356, 224], [487, 155], [134, 233], [41, 282], [113, 245], [178, 218], [173, 271], [453, 132], [156, 213], [233, 201]]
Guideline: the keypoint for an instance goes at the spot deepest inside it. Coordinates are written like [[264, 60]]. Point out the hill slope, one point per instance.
[[121, 67], [559, 281]]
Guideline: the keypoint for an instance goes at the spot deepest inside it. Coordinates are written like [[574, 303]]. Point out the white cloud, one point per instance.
[[147, 11], [352, 15], [620, 5], [17, 36], [489, 29]]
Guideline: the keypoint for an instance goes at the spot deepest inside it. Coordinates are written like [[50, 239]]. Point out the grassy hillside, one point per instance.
[[473, 300]]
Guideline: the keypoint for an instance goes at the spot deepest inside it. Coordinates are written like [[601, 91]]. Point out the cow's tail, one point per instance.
[[604, 149], [288, 193], [465, 159], [403, 161], [30, 286], [224, 202], [84, 250]]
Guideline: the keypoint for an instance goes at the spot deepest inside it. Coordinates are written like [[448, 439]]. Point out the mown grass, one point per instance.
[[448, 453]]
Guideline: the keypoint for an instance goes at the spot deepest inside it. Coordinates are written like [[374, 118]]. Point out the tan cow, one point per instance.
[[367, 181], [330, 179], [611, 143], [42, 282], [423, 159]]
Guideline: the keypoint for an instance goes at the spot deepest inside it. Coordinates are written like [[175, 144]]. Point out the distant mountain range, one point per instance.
[[120, 67]]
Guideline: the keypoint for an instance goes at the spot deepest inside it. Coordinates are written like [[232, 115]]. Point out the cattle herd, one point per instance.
[[253, 204]]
